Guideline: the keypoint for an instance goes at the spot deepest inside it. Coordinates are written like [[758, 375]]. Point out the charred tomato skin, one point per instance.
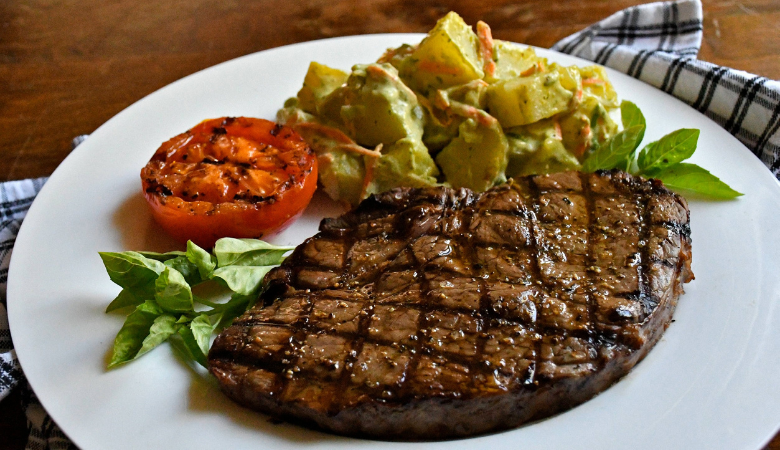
[[229, 177]]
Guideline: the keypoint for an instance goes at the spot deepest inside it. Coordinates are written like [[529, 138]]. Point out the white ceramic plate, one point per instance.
[[710, 383]]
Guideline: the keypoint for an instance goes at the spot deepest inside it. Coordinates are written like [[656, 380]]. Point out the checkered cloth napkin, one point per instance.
[[656, 43]]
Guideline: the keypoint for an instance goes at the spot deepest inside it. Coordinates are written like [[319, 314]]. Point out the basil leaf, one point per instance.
[[130, 338], [127, 298], [631, 116], [191, 345], [616, 151], [671, 149], [202, 328], [172, 292], [248, 252], [159, 285], [202, 259], [184, 319], [244, 280], [131, 269], [162, 328], [162, 257], [692, 178], [190, 271]]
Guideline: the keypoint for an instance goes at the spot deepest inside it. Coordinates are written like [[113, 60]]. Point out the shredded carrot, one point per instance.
[[471, 112], [486, 48], [441, 100], [580, 150], [470, 86], [425, 103], [388, 55], [344, 141], [370, 167], [579, 94], [380, 71], [333, 133], [362, 150], [593, 81], [586, 131], [558, 131], [536, 68]]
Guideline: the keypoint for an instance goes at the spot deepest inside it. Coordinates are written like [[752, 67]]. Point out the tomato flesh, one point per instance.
[[239, 177]]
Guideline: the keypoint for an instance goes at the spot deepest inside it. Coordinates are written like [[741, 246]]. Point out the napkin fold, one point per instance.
[[656, 43]]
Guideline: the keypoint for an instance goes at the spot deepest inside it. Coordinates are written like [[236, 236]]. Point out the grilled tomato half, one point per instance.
[[230, 177]]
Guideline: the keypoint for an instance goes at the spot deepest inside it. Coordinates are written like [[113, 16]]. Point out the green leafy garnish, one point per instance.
[[673, 148], [247, 252], [159, 288], [692, 178], [662, 159], [197, 336], [631, 116], [244, 280], [131, 270], [615, 152], [136, 328]]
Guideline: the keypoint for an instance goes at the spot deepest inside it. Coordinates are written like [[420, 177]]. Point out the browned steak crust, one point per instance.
[[439, 313]]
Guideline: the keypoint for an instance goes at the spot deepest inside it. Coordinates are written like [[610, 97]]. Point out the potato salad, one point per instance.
[[458, 109]]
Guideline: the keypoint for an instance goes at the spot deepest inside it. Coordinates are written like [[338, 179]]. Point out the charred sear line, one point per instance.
[[254, 363], [683, 229], [366, 313], [646, 298], [535, 267], [591, 225]]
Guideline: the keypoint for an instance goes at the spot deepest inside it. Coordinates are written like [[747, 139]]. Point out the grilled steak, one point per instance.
[[439, 313]]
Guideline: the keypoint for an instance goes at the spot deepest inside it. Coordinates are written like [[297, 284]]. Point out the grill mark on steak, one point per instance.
[[438, 313], [535, 244], [591, 256], [645, 295]]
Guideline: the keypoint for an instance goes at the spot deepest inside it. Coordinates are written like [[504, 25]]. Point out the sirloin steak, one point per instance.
[[439, 313]]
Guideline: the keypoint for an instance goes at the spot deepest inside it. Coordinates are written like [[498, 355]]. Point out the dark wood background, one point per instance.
[[68, 66]]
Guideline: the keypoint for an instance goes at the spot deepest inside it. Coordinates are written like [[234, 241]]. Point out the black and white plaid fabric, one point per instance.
[[656, 43], [15, 199]]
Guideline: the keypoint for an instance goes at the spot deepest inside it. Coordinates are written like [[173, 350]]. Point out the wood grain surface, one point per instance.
[[68, 66]]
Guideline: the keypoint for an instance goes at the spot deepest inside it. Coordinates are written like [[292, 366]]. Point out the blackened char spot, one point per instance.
[[276, 129], [156, 188]]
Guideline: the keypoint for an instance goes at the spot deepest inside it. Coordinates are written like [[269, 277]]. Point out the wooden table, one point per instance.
[[68, 66]]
